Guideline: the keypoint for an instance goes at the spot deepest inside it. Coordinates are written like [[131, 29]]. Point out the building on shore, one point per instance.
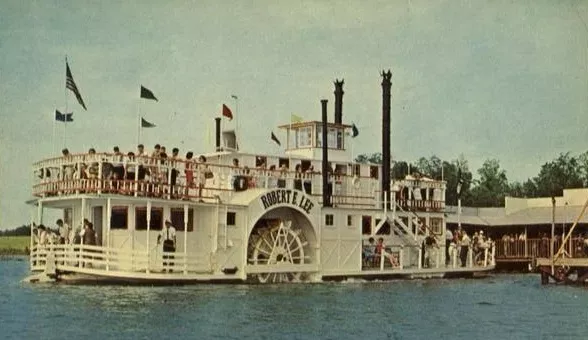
[[522, 228]]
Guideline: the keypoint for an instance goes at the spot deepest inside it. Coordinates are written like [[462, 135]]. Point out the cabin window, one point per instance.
[[355, 170], [332, 138], [284, 162], [339, 139], [366, 225], [155, 222], [349, 220], [374, 171], [119, 217], [437, 225], [177, 218], [329, 219], [304, 137], [67, 215], [260, 161], [231, 218]]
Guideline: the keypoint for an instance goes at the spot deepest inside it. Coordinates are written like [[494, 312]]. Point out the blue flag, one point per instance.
[[63, 117]]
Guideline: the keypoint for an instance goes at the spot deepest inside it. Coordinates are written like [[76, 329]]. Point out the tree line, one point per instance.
[[492, 185]]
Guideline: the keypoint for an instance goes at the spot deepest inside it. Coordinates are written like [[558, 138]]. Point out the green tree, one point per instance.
[[490, 189], [562, 173]]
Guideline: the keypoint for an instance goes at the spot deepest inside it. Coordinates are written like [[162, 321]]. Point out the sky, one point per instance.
[[504, 80]]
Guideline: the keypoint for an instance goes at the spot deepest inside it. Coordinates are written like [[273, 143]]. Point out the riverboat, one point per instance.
[[310, 214]]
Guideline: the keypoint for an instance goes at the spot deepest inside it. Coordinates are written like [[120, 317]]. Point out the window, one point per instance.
[[177, 218], [355, 169], [285, 162], [436, 225], [304, 137], [349, 220], [155, 222], [260, 161], [119, 217], [332, 138], [374, 171], [366, 225], [231, 218], [329, 219]]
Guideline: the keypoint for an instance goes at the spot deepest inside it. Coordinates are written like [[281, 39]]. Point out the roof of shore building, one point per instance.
[[526, 211]]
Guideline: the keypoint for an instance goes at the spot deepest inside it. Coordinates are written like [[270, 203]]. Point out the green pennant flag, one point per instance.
[[146, 124]]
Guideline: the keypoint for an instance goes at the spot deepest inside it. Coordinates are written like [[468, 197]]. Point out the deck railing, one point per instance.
[[536, 247], [177, 179], [77, 257]]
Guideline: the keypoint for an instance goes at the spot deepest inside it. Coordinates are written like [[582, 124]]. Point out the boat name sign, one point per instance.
[[285, 196]]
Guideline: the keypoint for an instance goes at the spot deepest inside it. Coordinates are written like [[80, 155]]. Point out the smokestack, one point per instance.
[[339, 101], [218, 133], [386, 89], [326, 189]]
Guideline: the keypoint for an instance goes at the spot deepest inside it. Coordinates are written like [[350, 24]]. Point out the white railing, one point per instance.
[[75, 257]]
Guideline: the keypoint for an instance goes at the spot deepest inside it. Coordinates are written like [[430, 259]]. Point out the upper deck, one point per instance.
[[353, 185]]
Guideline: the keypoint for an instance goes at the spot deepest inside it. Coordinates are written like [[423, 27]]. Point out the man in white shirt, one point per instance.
[[63, 230], [168, 235]]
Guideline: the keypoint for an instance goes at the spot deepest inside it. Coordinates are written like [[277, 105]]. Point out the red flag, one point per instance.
[[227, 112]]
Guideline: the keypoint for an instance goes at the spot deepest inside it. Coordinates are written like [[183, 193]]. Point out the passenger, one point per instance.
[[381, 252], [298, 177], [261, 175], [448, 239], [189, 170], [64, 231], [369, 252], [141, 158], [43, 235], [168, 235], [117, 163], [93, 167], [131, 168], [465, 245], [203, 173], [283, 175], [272, 177], [585, 244], [173, 163]]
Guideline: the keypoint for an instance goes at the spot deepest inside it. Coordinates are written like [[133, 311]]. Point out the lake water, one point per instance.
[[499, 307]]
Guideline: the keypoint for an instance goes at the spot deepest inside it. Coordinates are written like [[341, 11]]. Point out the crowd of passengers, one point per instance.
[[161, 168], [457, 245], [64, 234]]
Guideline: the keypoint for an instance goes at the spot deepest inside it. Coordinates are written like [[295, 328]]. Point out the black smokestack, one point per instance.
[[218, 133], [386, 89], [326, 172], [339, 101]]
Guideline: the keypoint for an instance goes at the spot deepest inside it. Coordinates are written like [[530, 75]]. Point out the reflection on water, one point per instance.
[[510, 306]]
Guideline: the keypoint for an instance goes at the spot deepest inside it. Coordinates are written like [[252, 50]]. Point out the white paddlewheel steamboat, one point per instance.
[[310, 214]]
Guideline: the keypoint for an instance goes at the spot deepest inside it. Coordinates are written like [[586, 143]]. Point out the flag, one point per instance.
[[234, 96], [147, 94], [275, 139], [227, 112], [354, 131], [146, 124], [71, 84], [63, 117], [295, 118]]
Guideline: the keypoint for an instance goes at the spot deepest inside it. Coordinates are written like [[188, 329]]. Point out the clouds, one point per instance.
[[488, 79]]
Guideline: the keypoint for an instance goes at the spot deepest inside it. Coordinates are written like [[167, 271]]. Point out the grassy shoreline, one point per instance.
[[14, 245]]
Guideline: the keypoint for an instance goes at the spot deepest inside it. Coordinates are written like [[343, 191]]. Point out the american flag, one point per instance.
[[71, 84]]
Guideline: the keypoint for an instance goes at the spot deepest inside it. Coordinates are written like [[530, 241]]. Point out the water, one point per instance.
[[503, 306]]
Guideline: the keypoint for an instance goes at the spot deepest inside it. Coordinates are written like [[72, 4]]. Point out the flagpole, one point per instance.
[[237, 120], [65, 121], [53, 137], [139, 120]]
